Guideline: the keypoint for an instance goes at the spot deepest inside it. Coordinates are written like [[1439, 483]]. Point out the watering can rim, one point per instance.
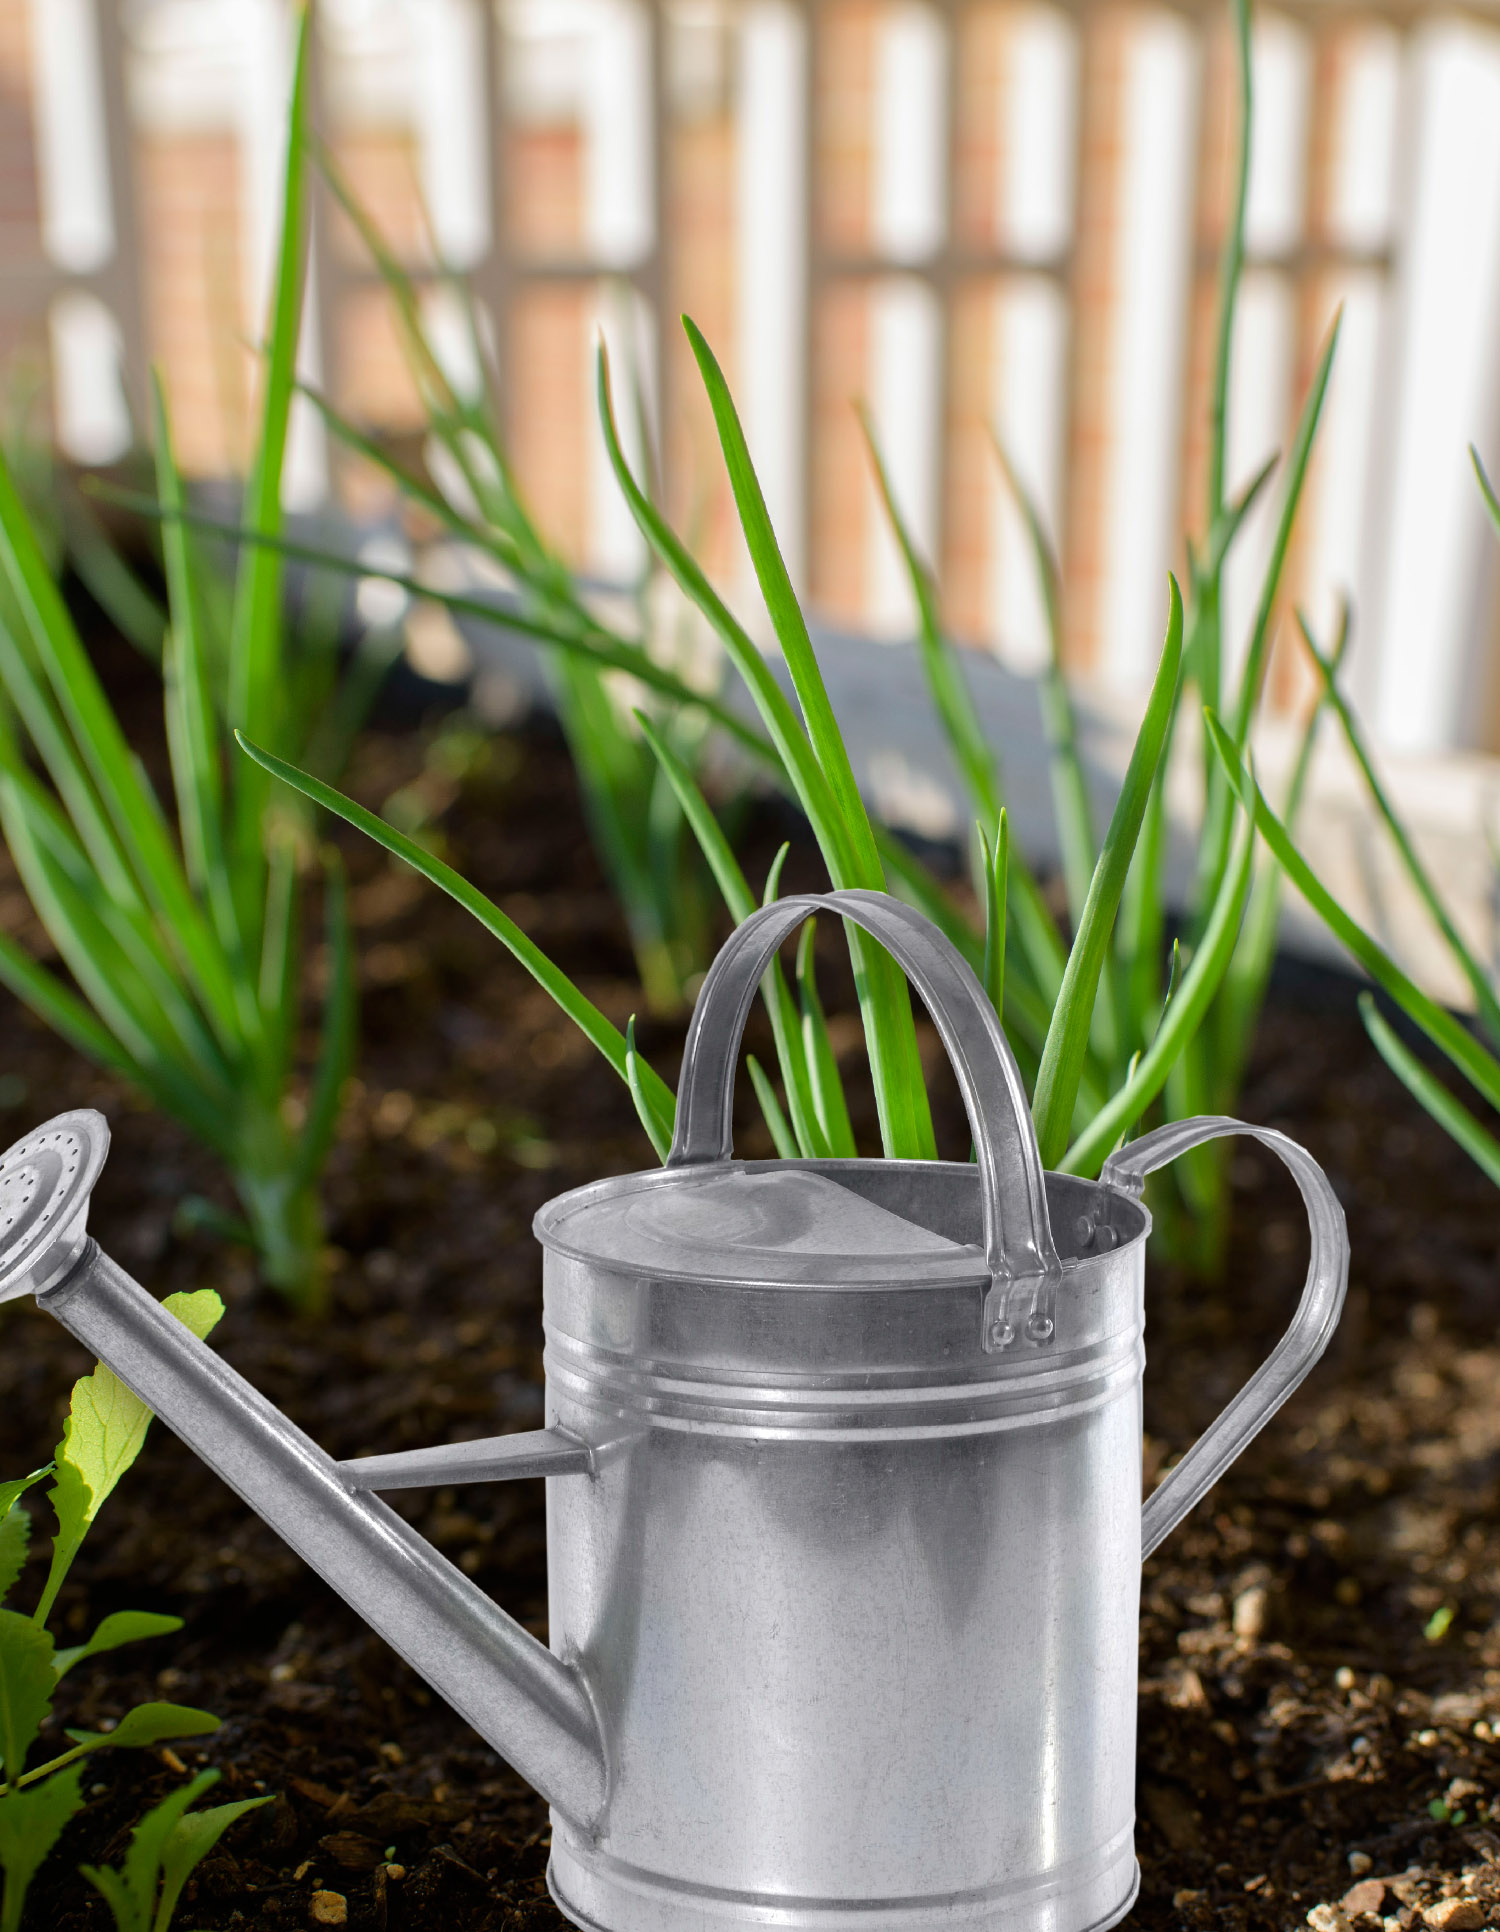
[[765, 1267]]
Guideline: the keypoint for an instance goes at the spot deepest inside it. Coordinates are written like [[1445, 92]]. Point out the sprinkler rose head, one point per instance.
[[45, 1183]]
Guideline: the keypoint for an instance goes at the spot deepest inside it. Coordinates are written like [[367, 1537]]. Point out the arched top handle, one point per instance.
[[1018, 1244]]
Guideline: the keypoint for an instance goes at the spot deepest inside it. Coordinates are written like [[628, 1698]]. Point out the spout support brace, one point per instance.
[[494, 1459]]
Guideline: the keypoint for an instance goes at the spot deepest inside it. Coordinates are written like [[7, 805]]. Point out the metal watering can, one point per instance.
[[844, 1515]]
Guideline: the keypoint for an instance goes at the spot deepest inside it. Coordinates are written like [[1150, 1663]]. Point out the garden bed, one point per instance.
[[1320, 1658]]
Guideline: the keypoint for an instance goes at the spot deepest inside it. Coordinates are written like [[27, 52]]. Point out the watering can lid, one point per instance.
[[733, 1223]]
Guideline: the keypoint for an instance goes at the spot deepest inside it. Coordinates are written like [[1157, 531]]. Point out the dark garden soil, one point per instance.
[[1320, 1643]]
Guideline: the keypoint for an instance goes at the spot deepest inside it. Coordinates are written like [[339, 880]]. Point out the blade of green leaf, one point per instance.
[[656, 1133], [255, 640], [738, 898], [951, 697], [823, 1068], [1067, 1037], [1302, 443], [100, 782], [996, 866], [1179, 1022], [1440, 1026], [1249, 972], [1231, 263], [58, 1008], [1423, 1085], [895, 1065], [340, 1031], [781, 1134], [1070, 796], [1479, 981], [107, 977], [192, 727], [1486, 487], [603, 647], [601, 1032]]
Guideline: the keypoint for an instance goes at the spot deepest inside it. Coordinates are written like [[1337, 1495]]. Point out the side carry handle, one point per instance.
[[1311, 1328]]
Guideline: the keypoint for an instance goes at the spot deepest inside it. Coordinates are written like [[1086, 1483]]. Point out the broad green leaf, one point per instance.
[[152, 1723], [190, 1841], [31, 1822], [15, 1536], [121, 1627], [1067, 1037], [103, 1435], [601, 1032], [1179, 1022], [26, 1685], [11, 1492], [201, 1311], [1423, 1085], [1441, 1027]]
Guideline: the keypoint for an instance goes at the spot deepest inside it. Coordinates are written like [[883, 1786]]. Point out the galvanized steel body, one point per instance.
[[844, 1534], [856, 1581]]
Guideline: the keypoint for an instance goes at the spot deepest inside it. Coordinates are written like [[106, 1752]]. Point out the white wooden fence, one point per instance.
[[1406, 138]]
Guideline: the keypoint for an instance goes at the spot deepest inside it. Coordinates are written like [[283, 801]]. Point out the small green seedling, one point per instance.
[[104, 1433], [165, 1847]]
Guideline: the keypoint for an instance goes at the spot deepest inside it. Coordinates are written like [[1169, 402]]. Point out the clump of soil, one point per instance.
[[1320, 1656]]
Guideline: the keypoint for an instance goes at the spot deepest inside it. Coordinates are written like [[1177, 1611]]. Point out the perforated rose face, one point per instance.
[[45, 1183]]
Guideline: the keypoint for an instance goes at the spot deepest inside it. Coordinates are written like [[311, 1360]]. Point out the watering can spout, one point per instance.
[[531, 1706]]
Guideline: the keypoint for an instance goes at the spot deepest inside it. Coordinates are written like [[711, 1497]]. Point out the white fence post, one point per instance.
[[1450, 309], [771, 294], [1154, 229]]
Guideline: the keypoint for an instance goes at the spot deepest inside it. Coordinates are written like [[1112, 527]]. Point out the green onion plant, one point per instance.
[[185, 945], [471, 493], [1109, 1021]]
